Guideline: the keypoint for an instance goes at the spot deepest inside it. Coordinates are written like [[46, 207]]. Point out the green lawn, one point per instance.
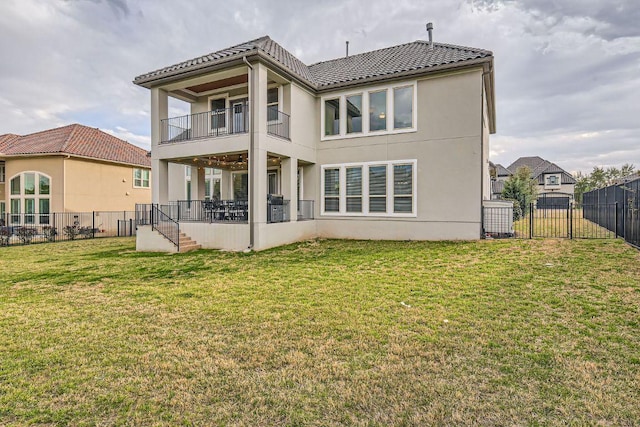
[[503, 332]]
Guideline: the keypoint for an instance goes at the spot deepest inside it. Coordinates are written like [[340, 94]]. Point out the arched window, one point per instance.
[[30, 194]]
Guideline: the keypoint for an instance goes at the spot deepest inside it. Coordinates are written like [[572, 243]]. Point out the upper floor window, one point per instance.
[[403, 107], [273, 103], [354, 113], [552, 180], [332, 117], [141, 178], [2, 171], [379, 110]]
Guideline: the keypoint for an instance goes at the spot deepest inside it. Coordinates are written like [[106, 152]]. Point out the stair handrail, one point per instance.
[[165, 225]]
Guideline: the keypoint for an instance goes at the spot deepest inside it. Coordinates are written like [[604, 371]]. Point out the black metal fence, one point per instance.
[[626, 198], [21, 229], [574, 221]]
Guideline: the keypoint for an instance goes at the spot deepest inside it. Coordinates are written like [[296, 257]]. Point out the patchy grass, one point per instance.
[[321, 333], [562, 223]]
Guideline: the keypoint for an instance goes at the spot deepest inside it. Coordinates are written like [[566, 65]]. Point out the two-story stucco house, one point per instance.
[[388, 144], [72, 168], [556, 186]]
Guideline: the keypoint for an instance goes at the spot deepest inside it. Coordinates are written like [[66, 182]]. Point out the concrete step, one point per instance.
[[187, 243], [189, 247]]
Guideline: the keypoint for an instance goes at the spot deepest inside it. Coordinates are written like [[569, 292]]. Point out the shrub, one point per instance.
[[71, 231], [5, 235], [25, 234], [86, 232], [49, 232]]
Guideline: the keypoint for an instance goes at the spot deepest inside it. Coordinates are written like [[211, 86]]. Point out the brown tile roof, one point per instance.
[[263, 44], [390, 61], [77, 140], [414, 57]]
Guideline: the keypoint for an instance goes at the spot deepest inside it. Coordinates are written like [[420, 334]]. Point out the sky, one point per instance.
[[567, 72]]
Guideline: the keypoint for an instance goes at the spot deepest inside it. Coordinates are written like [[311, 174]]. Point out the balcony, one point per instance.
[[221, 122]]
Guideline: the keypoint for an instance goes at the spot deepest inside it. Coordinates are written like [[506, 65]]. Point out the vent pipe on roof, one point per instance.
[[347, 48], [430, 31]]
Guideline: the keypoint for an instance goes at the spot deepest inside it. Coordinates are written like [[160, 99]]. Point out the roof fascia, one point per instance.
[[7, 157], [224, 64], [403, 75]]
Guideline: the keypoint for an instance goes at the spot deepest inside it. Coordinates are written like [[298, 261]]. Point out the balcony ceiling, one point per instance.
[[228, 161], [231, 81]]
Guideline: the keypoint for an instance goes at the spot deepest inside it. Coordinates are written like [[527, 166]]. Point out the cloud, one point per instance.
[[563, 69]]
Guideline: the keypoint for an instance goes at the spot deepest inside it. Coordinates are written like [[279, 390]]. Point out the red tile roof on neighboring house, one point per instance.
[[5, 140], [75, 140]]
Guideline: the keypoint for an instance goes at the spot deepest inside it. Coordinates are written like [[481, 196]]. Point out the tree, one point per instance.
[[520, 188], [599, 178]]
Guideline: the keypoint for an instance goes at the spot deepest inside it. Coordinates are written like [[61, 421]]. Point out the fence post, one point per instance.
[[616, 220], [570, 215], [130, 227], [93, 224], [530, 220]]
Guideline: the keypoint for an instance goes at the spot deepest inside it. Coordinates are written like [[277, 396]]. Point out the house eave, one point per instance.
[[6, 157], [220, 65], [402, 75]]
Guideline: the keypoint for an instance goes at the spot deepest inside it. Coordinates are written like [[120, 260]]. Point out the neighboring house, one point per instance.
[[388, 144], [553, 181], [73, 168]]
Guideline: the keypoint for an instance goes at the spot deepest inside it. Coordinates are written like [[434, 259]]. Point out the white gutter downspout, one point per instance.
[[250, 155], [482, 142]]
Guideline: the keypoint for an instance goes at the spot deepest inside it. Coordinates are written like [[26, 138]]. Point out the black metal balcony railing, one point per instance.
[[222, 122], [277, 123]]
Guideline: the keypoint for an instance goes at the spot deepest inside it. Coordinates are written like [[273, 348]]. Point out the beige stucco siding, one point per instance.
[[449, 155], [304, 118], [51, 166], [94, 185], [563, 188]]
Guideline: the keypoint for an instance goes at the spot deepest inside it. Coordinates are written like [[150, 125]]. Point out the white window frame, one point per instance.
[[280, 95], [142, 170], [274, 171], [549, 175], [365, 189], [216, 97], [36, 196], [364, 111], [393, 101], [342, 96], [341, 108]]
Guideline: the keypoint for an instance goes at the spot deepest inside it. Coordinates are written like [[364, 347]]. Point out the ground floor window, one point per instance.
[[30, 198], [371, 188], [240, 182]]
